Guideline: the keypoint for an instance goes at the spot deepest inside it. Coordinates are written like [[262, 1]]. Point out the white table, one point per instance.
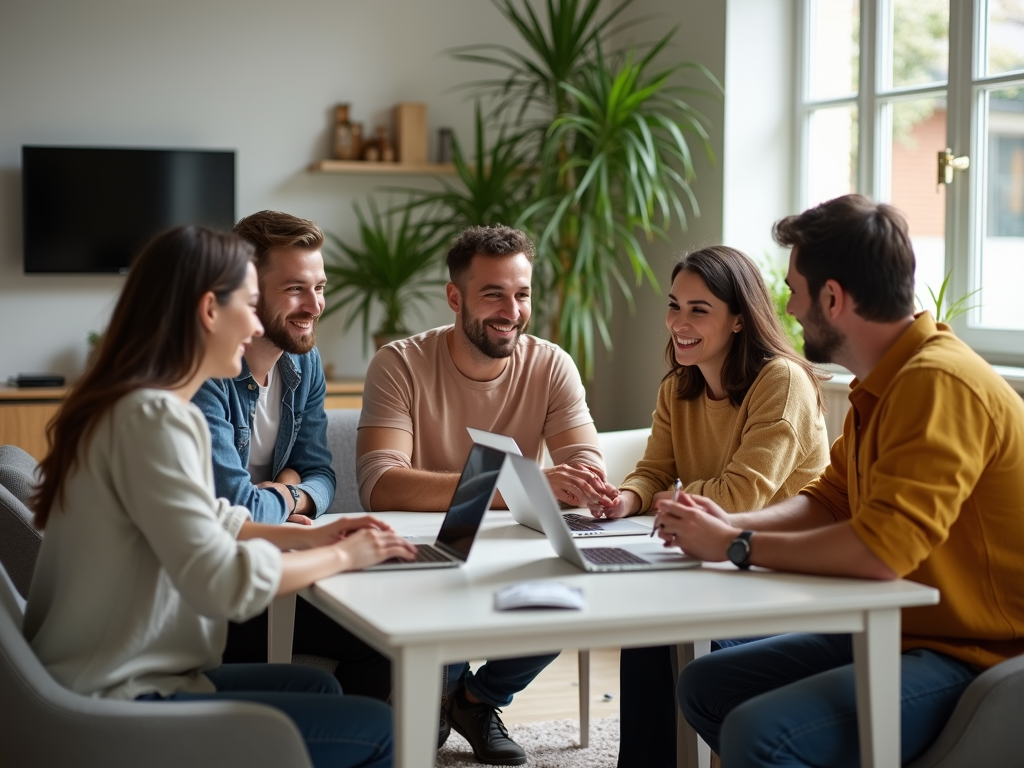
[[424, 619]]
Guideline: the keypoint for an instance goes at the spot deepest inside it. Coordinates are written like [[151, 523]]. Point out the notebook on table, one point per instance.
[[646, 556], [580, 526], [472, 498]]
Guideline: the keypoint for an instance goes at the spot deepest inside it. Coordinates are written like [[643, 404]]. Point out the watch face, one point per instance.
[[738, 552]]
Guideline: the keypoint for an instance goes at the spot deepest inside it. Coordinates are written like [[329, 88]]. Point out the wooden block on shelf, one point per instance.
[[411, 133]]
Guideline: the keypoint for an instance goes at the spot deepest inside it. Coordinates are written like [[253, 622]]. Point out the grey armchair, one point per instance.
[[985, 728], [44, 724]]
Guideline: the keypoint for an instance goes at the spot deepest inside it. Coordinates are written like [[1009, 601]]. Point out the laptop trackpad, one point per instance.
[[656, 553]]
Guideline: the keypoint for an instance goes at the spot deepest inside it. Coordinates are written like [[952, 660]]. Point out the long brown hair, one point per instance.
[[155, 339], [733, 278]]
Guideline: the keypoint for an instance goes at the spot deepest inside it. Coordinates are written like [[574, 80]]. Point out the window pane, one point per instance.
[[1005, 36], [1001, 260], [831, 154], [920, 42], [833, 55], [918, 133]]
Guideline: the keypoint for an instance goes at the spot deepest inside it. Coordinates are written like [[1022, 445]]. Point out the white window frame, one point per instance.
[[964, 92]]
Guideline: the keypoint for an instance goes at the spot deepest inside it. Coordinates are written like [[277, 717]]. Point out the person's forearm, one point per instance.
[[413, 490], [800, 513], [835, 550], [284, 537], [300, 569]]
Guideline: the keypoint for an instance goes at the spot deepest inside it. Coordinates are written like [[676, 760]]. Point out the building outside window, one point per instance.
[[885, 85]]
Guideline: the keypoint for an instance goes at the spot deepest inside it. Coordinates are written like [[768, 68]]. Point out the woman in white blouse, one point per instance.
[[141, 566]]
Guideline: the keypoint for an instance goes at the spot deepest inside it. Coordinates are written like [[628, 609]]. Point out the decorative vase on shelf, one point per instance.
[[347, 135], [387, 149]]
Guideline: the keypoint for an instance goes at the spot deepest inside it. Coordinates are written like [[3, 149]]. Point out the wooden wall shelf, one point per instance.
[[382, 169]]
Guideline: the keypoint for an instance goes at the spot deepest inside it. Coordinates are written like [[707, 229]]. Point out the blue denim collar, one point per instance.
[[288, 366]]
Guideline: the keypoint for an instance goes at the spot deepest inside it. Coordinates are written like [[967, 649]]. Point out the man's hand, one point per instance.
[[581, 485], [299, 520], [626, 503], [696, 524]]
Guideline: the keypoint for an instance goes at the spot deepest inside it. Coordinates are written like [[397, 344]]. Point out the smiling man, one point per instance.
[[484, 372], [269, 434]]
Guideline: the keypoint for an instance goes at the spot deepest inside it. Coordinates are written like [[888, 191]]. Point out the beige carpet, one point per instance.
[[552, 744]]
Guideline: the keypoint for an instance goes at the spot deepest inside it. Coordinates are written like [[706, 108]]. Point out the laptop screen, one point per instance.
[[471, 500]]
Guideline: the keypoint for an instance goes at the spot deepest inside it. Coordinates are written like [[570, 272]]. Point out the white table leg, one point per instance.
[[876, 655], [584, 679], [280, 627], [416, 683]]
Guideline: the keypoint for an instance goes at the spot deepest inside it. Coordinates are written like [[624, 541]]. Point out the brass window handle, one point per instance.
[[948, 163]]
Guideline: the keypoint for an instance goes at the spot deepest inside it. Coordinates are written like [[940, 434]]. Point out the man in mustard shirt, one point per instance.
[[926, 483]]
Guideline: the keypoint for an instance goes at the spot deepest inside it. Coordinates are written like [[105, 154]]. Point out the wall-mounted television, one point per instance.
[[90, 209]]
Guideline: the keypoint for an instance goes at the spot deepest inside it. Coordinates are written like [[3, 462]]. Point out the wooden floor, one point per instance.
[[554, 695]]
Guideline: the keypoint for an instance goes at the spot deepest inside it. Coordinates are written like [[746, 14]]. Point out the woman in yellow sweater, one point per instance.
[[739, 420]]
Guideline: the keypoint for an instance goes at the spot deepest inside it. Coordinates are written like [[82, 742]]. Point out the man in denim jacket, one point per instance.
[[269, 433]]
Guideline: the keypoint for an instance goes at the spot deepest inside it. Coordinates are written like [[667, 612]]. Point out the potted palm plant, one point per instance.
[[601, 141], [387, 270]]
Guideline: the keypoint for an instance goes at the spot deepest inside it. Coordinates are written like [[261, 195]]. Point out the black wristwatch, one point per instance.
[[295, 496], [739, 550]]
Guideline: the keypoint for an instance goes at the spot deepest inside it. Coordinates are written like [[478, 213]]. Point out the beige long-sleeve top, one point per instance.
[[140, 568], [743, 458]]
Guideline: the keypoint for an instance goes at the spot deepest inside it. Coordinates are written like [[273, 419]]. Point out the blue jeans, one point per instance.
[[339, 731], [647, 710], [790, 701], [496, 682]]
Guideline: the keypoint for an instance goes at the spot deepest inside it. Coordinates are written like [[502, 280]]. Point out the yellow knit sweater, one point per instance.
[[743, 458]]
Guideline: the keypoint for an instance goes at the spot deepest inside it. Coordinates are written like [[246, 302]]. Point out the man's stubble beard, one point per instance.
[[276, 331], [476, 332]]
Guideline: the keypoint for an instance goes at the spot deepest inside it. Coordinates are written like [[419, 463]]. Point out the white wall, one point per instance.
[[263, 78], [258, 77]]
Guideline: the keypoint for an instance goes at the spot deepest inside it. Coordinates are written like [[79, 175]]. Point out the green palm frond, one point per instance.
[[387, 269]]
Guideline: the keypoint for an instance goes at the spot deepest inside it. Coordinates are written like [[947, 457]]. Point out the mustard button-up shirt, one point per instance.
[[930, 472]]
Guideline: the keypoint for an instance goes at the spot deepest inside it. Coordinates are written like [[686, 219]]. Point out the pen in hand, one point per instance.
[[675, 497]]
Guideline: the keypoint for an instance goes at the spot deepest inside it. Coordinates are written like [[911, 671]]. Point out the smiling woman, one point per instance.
[[739, 419]]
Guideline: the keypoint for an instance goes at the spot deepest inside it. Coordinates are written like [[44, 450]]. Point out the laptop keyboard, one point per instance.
[[580, 523], [611, 556], [425, 553]]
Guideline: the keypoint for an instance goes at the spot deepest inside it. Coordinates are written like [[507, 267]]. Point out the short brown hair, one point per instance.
[[862, 245], [495, 240], [268, 230]]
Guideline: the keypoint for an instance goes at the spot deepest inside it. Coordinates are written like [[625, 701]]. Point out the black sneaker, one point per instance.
[[444, 731], [480, 725]]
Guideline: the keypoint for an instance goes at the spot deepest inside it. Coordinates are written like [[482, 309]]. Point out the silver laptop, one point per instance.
[[522, 510], [648, 556], [471, 500]]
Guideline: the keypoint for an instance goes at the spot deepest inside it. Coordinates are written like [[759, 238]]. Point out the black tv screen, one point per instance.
[[92, 209]]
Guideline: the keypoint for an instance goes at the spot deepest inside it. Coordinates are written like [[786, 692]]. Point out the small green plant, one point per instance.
[[387, 269], [775, 279], [942, 307]]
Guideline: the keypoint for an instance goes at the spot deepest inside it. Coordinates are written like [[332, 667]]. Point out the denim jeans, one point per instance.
[[339, 731], [790, 701], [647, 709], [496, 682]]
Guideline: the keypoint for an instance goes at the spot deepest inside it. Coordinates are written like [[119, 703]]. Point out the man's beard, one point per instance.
[[476, 332], [827, 341], [277, 331]]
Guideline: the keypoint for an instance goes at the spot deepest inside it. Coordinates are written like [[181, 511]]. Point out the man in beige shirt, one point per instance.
[[484, 372]]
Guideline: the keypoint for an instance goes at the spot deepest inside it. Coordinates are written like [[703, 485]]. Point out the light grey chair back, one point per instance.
[[47, 725], [985, 727], [19, 539], [342, 424]]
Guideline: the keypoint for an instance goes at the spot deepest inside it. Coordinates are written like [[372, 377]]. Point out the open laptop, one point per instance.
[[471, 500], [648, 556], [522, 510]]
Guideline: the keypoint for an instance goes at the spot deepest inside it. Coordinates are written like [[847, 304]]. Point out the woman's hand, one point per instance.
[[697, 525], [370, 545], [336, 530], [626, 503]]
